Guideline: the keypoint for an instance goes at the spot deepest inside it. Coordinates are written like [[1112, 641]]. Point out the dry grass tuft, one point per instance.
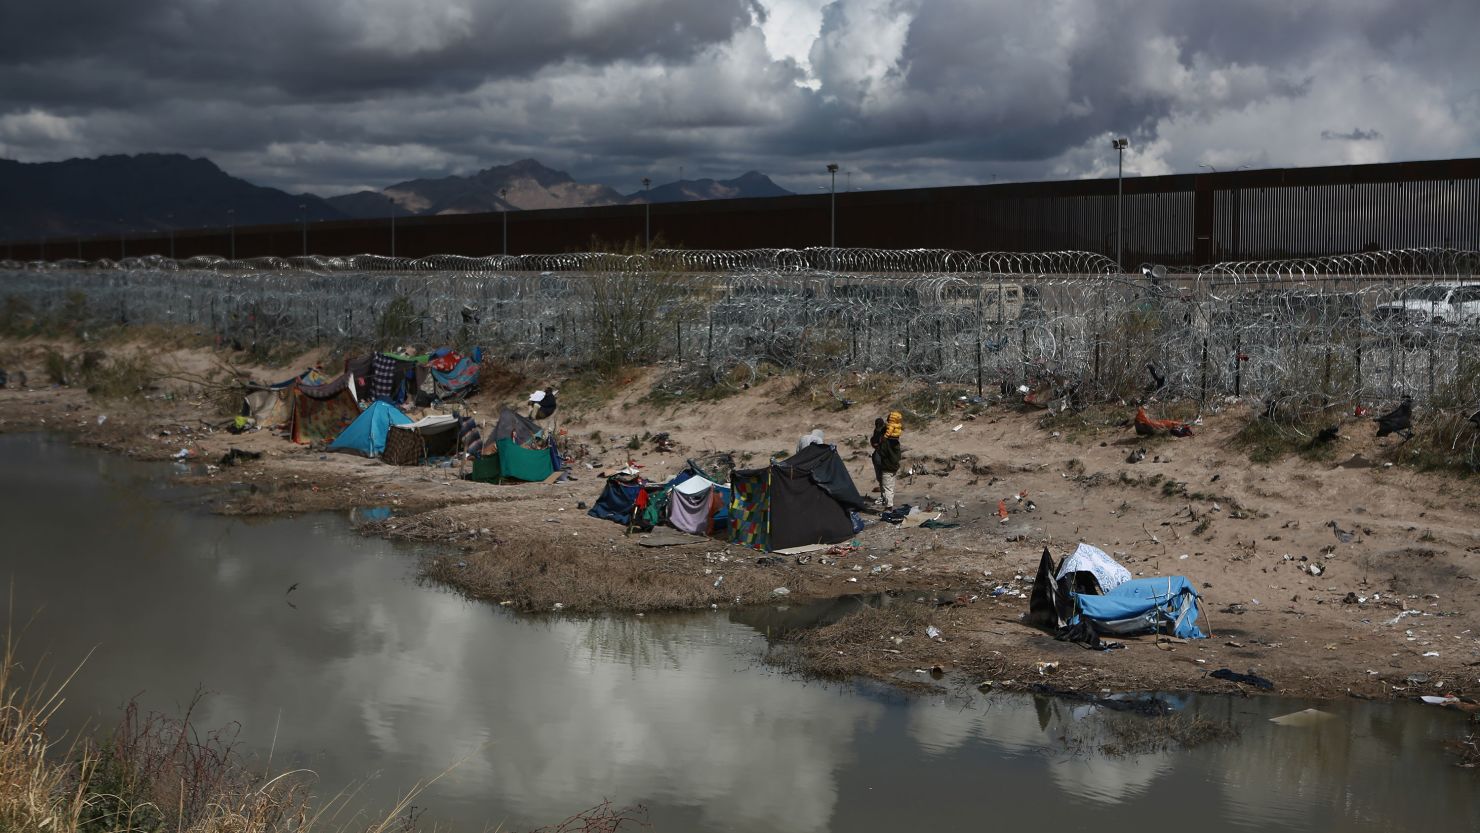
[[862, 643], [153, 774], [535, 577]]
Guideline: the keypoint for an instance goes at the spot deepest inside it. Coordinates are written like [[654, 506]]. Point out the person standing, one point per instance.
[[874, 442], [889, 457]]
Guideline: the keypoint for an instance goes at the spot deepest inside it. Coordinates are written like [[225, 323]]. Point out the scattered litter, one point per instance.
[[780, 591], [932, 631], [1304, 717], [1431, 653], [102, 418], [1002, 511], [1046, 668], [957, 428], [559, 605]]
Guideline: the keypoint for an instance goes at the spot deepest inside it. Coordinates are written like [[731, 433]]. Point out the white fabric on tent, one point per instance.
[[695, 485], [1090, 559], [431, 424]]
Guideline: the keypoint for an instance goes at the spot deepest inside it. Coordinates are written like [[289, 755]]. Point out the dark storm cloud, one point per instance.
[[338, 94]]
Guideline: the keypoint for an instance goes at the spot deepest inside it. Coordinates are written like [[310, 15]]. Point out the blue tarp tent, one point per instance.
[[366, 435], [1164, 604], [617, 500]]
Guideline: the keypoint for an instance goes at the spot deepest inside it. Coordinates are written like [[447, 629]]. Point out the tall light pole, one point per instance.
[[170, 220], [503, 195], [1119, 145], [647, 242], [832, 222], [231, 228]]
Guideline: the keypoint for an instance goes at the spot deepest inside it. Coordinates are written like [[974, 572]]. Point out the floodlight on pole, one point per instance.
[[1119, 145], [832, 224], [646, 214], [503, 195]]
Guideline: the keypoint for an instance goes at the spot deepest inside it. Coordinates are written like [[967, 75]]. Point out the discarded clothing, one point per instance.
[[1248, 679], [1084, 633]]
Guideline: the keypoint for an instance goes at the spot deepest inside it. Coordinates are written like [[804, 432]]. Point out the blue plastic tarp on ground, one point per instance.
[[366, 435], [1164, 604]]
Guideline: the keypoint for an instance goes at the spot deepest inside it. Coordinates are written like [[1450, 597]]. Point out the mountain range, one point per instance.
[[527, 185], [155, 192]]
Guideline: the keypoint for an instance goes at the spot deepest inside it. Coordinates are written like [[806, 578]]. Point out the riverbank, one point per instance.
[[1391, 611]]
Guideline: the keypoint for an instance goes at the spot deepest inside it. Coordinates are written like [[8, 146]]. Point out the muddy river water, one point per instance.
[[370, 679]]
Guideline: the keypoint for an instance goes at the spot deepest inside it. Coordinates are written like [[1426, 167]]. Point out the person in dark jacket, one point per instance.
[[542, 404], [889, 454], [873, 442]]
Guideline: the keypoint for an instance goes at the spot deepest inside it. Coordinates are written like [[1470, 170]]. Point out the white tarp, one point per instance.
[[431, 424], [1088, 559], [695, 485]]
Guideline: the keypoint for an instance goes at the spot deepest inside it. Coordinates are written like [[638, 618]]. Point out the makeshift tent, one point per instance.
[[804, 499], [1067, 599], [515, 462], [454, 382], [414, 443], [319, 412], [272, 404], [366, 435], [1164, 604], [689, 505], [389, 374], [522, 451], [621, 496]]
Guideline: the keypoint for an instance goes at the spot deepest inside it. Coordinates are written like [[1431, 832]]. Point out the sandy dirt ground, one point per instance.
[[1349, 577]]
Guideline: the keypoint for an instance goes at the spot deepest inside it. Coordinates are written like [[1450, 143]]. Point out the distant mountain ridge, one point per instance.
[[748, 184], [528, 185], [155, 192], [138, 194]]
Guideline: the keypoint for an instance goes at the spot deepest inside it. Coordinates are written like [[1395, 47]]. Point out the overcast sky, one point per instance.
[[337, 95]]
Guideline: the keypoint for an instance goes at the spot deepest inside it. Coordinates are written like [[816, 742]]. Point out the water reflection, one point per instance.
[[362, 674]]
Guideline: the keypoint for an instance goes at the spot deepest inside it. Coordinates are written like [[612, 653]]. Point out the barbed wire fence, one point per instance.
[[1302, 334]]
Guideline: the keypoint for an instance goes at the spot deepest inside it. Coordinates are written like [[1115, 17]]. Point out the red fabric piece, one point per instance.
[[1157, 424], [445, 363]]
